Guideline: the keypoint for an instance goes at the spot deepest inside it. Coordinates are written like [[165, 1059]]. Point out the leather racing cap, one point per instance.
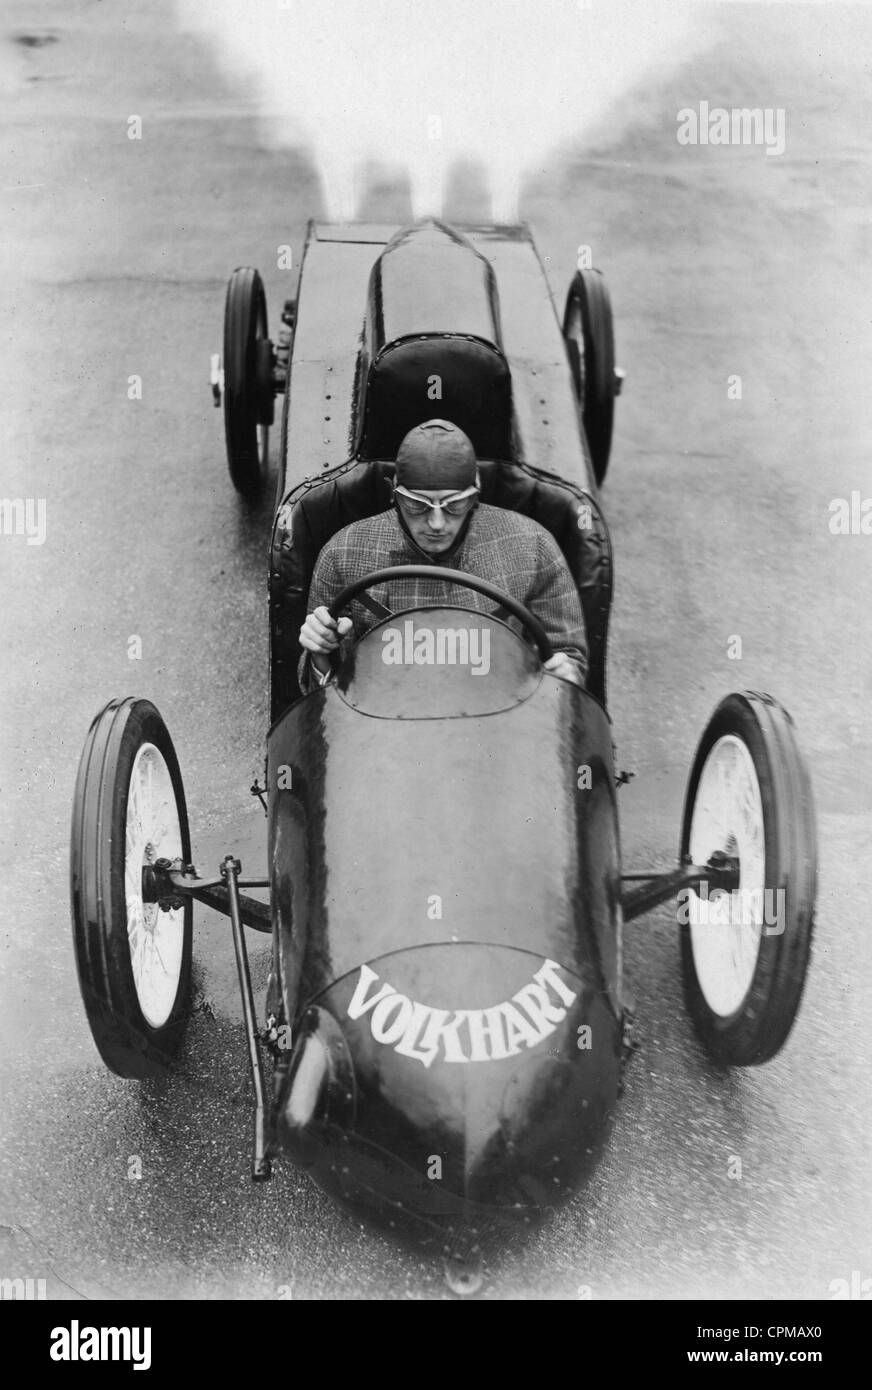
[[435, 456]]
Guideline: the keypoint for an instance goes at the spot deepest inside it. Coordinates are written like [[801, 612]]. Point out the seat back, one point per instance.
[[457, 378], [313, 512]]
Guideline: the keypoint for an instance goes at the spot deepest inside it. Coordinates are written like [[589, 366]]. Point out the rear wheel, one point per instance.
[[133, 957], [745, 954], [248, 394], [590, 344]]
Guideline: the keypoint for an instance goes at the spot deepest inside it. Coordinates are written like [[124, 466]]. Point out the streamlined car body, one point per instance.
[[446, 901], [445, 1020]]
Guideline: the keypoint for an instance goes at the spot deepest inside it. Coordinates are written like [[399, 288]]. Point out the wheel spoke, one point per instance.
[[156, 949]]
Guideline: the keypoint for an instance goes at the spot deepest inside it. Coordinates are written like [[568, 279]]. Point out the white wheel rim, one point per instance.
[[155, 938], [725, 931]]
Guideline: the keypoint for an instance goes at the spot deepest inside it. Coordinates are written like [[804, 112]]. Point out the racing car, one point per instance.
[[446, 1019]]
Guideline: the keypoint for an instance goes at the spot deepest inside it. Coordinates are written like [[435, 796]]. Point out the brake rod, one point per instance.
[[261, 1168]]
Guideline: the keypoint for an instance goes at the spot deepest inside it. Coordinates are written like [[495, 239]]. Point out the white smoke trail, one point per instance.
[[424, 83]]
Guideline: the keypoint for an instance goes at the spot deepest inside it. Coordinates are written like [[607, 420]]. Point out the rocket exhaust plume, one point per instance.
[[431, 84]]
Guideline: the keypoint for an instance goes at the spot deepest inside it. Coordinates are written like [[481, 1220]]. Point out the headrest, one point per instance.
[[460, 379]]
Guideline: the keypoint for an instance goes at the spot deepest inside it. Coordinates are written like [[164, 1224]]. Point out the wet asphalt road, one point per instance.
[[115, 255]]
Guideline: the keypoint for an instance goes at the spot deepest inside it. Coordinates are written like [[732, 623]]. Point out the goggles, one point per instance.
[[457, 505]]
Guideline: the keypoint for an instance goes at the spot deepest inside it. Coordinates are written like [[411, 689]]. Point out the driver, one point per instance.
[[437, 519]]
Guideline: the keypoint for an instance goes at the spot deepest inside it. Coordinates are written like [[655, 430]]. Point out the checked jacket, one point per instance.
[[511, 551]]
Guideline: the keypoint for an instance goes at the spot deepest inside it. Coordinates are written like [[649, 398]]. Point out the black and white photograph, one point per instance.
[[436, 652]]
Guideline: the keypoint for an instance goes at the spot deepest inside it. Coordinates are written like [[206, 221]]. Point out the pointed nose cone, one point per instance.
[[470, 1084]]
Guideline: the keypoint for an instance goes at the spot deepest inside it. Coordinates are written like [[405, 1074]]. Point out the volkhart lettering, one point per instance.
[[359, 1002], [406, 1045], [390, 1018], [534, 998], [487, 1040], [443, 1028], [548, 976], [519, 1030], [424, 1033]]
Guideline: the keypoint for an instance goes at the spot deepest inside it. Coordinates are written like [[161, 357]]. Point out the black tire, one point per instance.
[[590, 344], [755, 1030], [129, 1044], [248, 395]]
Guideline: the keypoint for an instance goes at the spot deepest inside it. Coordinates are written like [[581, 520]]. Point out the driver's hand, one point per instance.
[[564, 667], [321, 634]]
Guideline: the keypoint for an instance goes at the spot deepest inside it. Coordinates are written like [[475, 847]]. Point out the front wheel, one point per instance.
[[744, 954], [133, 957]]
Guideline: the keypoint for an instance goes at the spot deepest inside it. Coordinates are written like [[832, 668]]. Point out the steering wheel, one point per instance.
[[467, 581]]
